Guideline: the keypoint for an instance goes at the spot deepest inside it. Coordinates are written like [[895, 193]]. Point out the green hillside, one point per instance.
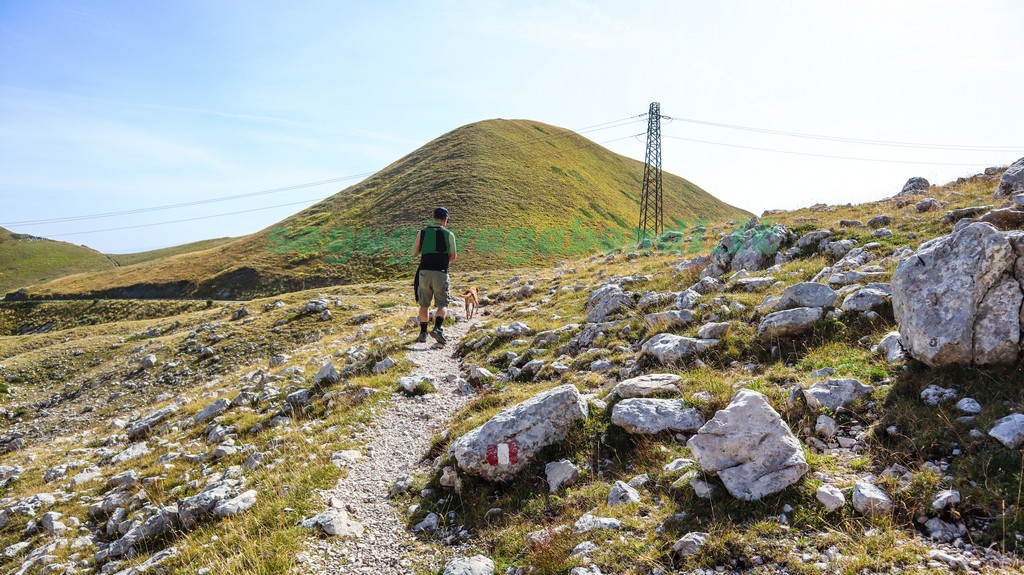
[[521, 193], [140, 257], [27, 260]]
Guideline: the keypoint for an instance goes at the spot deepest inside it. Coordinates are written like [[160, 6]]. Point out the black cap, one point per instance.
[[440, 213]]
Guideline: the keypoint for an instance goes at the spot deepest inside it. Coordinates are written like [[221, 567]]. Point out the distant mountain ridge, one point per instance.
[[521, 193]]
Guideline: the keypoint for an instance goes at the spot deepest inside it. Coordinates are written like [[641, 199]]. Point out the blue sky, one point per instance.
[[119, 105]]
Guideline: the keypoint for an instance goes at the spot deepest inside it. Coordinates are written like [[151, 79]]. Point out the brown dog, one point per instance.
[[472, 301]]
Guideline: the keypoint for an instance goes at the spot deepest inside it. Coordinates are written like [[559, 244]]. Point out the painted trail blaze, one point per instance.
[[503, 453]]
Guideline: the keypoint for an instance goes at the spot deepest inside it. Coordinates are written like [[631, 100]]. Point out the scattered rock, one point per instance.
[[475, 565], [831, 497], [1009, 430], [646, 386], [689, 543], [668, 320], [236, 505], [650, 416], [927, 205], [589, 523], [869, 500], [749, 447], [335, 522], [142, 427], [865, 299], [713, 330], [213, 410], [915, 185], [806, 295], [669, 349], [622, 494], [880, 222], [945, 498], [561, 473], [834, 393], [891, 347], [326, 375], [788, 323], [934, 394], [969, 406]]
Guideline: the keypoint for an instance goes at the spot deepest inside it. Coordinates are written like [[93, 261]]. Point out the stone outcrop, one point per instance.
[[749, 447], [958, 298], [752, 248], [606, 301]]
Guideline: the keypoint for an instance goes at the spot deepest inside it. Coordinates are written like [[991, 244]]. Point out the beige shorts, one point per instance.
[[434, 285]]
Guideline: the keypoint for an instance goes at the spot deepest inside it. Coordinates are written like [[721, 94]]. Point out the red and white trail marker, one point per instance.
[[503, 453]]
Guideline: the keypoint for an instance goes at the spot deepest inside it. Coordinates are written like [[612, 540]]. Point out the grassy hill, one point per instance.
[[521, 193], [28, 260], [140, 257]]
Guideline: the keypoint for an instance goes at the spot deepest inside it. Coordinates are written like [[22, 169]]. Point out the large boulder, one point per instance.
[[958, 298], [789, 322], [669, 349], [1012, 181], [750, 447], [509, 441], [649, 416]]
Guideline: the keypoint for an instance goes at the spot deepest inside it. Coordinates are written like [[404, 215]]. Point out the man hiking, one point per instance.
[[435, 245]]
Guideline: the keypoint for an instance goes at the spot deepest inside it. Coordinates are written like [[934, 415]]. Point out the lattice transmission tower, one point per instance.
[[652, 219]]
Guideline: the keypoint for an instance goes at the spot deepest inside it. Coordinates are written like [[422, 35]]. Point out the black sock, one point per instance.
[[423, 326], [437, 322]]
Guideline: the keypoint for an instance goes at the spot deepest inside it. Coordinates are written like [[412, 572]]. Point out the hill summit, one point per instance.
[[521, 193]]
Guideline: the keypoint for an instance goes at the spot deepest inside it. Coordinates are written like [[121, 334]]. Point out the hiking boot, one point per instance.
[[438, 335], [422, 337]]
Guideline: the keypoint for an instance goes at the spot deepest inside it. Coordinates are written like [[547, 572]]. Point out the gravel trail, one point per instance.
[[396, 443]]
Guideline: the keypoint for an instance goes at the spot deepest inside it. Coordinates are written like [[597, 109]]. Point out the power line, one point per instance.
[[820, 155], [185, 204], [230, 213], [187, 219], [957, 147], [587, 129]]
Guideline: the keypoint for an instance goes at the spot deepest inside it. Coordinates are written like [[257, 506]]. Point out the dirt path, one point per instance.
[[395, 445]]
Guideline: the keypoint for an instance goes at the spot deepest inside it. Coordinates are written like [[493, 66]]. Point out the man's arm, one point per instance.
[[452, 254], [416, 248]]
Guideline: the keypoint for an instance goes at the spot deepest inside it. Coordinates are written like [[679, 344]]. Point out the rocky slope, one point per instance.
[[770, 407]]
